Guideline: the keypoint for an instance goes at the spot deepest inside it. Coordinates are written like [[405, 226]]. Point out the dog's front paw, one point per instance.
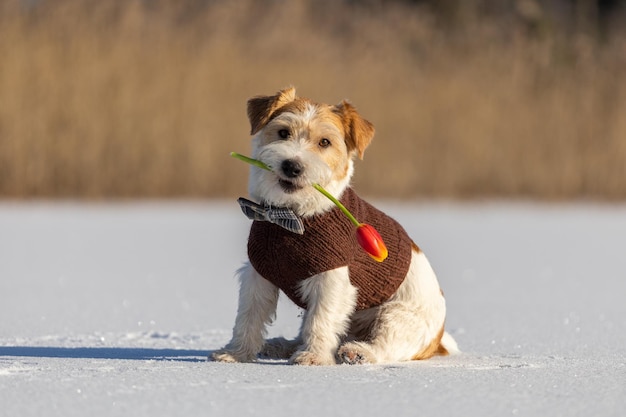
[[229, 356], [355, 354], [304, 357]]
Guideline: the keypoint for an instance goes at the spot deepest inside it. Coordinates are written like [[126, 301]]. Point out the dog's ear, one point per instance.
[[261, 108], [359, 132]]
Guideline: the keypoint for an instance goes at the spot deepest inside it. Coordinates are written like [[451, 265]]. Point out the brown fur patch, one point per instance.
[[261, 108], [327, 125], [442, 351], [358, 131], [297, 106], [434, 348]]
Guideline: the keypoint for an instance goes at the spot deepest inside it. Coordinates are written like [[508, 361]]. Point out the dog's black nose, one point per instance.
[[291, 168]]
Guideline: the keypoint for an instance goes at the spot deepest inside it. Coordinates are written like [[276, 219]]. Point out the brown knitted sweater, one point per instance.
[[329, 242]]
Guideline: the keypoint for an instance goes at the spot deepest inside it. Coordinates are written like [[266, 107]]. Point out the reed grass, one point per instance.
[[130, 99]]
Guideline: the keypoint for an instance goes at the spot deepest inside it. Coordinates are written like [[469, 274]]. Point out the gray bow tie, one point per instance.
[[281, 216]]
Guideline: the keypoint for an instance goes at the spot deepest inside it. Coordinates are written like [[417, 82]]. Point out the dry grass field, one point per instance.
[[127, 99]]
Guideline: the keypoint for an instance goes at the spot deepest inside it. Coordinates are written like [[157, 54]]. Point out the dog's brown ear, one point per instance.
[[359, 132], [261, 108]]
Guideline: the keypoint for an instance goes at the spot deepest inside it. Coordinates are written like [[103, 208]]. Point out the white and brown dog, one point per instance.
[[357, 310]]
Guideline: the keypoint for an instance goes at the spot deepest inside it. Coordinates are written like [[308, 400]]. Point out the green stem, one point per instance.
[[318, 187], [251, 161], [337, 203]]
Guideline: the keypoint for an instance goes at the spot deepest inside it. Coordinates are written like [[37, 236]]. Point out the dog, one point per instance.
[[357, 310]]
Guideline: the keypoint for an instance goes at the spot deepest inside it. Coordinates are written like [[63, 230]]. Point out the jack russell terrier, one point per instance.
[[357, 310]]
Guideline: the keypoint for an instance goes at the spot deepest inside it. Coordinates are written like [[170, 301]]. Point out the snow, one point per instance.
[[111, 309]]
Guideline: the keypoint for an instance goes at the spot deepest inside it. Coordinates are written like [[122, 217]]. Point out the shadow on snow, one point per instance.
[[106, 353]]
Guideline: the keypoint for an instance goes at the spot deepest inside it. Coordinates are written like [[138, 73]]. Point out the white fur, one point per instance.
[[331, 299], [401, 329], [263, 185], [257, 307], [406, 324]]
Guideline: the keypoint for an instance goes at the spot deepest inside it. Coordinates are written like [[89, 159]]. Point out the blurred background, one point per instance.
[[470, 98]]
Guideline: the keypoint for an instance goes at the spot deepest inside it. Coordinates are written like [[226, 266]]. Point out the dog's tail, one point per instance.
[[447, 345]]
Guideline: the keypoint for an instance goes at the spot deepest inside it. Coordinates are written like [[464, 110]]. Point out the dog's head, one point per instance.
[[304, 143]]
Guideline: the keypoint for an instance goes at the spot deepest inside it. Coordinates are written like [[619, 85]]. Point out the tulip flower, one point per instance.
[[371, 241], [367, 236]]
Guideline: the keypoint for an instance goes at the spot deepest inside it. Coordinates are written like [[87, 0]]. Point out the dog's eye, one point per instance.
[[324, 143], [284, 133]]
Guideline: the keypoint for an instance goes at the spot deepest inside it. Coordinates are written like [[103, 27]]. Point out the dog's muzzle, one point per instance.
[[292, 168]]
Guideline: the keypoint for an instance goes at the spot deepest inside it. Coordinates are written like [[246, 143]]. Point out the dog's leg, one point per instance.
[[257, 306], [331, 299], [409, 326]]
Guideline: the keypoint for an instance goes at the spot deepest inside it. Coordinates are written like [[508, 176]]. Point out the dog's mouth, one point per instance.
[[289, 186]]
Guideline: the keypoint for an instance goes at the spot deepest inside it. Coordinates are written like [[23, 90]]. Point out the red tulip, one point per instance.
[[371, 242]]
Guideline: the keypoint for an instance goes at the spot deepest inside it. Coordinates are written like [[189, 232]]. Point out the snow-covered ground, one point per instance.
[[110, 310]]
